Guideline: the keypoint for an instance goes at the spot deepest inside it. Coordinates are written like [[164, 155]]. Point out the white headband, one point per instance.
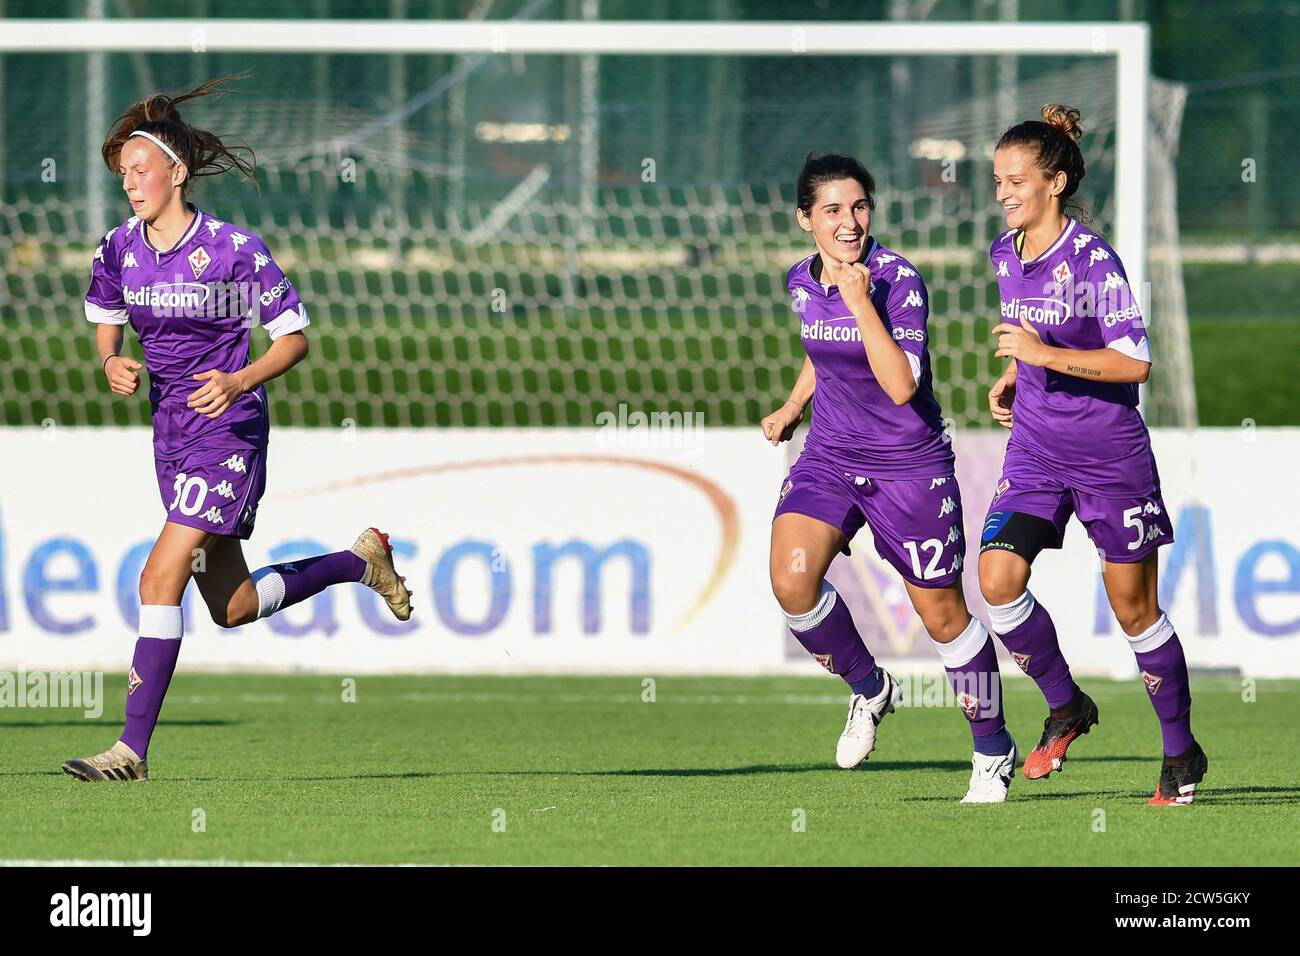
[[161, 145]]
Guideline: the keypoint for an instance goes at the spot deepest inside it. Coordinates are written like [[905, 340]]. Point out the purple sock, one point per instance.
[[1026, 630], [971, 662], [827, 632], [1164, 671], [284, 585], [151, 673]]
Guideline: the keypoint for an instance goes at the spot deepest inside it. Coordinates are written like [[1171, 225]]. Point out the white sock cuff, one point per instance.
[[1154, 636], [962, 649], [1007, 617], [162, 621], [270, 591], [810, 619]]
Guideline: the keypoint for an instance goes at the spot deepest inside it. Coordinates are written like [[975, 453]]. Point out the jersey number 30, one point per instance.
[[190, 494]]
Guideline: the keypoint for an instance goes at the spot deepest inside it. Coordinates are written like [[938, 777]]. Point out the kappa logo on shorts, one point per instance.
[[1151, 509], [969, 703], [1022, 660], [1002, 487], [953, 534], [225, 489], [1153, 682], [825, 661], [199, 260], [786, 489], [235, 463], [947, 507], [133, 680], [213, 514], [937, 482]]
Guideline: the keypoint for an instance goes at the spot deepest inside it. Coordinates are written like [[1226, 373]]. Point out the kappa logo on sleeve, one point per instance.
[[1002, 268]]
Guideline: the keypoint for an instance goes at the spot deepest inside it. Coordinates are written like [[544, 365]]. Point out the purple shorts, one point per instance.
[[916, 522], [1124, 530], [213, 488]]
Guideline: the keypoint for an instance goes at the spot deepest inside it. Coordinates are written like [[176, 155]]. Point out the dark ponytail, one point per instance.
[[202, 152]]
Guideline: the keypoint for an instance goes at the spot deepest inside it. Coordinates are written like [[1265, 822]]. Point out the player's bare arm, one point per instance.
[[1023, 343], [221, 389], [1003, 395], [780, 425], [123, 373]]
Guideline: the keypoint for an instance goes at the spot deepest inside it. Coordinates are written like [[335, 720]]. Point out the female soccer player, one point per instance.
[[191, 286], [1078, 446], [876, 455]]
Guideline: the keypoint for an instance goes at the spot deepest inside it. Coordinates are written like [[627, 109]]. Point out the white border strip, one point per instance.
[[1094, 38]]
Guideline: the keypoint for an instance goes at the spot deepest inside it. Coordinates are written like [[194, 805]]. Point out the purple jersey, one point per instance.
[[1076, 296], [192, 307], [856, 426]]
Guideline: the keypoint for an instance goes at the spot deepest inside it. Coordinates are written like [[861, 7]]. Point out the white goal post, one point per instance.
[[1127, 43], [607, 286]]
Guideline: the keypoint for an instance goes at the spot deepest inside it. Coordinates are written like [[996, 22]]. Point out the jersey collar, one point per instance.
[[190, 233], [1060, 240]]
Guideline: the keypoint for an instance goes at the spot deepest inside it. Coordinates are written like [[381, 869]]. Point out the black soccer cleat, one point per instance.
[[1058, 733], [1179, 777]]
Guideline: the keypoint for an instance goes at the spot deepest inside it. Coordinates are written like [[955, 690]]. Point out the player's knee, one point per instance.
[[944, 624], [999, 586], [156, 587], [1134, 617], [796, 591]]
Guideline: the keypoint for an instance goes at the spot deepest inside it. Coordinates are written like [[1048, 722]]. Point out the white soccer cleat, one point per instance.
[[381, 576], [859, 737], [119, 762], [990, 777]]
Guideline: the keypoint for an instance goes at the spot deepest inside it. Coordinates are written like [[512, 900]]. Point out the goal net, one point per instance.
[[503, 237]]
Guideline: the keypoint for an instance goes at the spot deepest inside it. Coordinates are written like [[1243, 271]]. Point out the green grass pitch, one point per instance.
[[551, 770]]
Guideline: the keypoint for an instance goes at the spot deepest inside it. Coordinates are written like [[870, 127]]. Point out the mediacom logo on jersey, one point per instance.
[[194, 299], [1051, 312]]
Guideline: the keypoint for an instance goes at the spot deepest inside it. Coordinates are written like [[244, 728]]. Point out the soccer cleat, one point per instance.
[[117, 763], [990, 777], [1179, 777], [859, 737], [1058, 732], [381, 576]]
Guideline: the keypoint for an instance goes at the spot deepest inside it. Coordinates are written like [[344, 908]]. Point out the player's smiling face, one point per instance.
[[147, 178], [1025, 192], [840, 220]]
